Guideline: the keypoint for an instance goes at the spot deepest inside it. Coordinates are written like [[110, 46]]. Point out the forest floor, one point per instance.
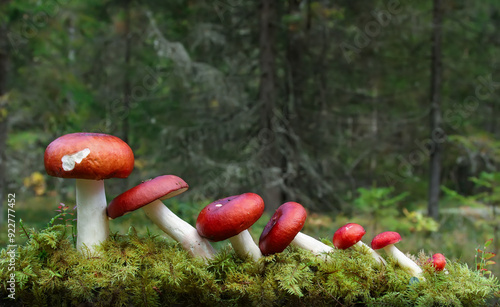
[[462, 230]]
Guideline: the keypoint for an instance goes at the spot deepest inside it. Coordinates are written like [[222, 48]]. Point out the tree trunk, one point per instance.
[[270, 155], [374, 126], [294, 52], [127, 87], [437, 134], [4, 62], [294, 94]]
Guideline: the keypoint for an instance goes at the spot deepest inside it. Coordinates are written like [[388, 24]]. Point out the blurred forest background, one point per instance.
[[379, 112]]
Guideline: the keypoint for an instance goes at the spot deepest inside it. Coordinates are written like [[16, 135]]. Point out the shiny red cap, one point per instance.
[[348, 235], [94, 156], [229, 216], [438, 261], [284, 225], [161, 187], [385, 238]]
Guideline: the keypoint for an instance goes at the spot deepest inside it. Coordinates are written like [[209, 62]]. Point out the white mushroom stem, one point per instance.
[[309, 243], [244, 245], [92, 220], [372, 253], [179, 230], [403, 260]]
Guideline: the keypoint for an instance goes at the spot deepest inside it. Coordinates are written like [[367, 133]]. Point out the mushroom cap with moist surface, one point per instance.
[[282, 228], [385, 238], [438, 261], [93, 156], [161, 187], [348, 235], [227, 217]]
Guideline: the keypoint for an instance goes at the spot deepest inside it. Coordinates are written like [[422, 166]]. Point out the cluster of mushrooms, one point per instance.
[[93, 157]]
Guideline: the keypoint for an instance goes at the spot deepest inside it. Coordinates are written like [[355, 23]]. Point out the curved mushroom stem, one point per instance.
[[403, 260], [92, 219], [244, 245], [372, 253], [179, 230], [309, 243]]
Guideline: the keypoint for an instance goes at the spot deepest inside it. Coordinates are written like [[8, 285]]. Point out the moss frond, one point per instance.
[[153, 271]]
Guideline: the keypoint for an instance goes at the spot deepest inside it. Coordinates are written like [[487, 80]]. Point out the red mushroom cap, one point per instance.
[[438, 261], [385, 238], [284, 225], [93, 156], [229, 216], [348, 235], [161, 187]]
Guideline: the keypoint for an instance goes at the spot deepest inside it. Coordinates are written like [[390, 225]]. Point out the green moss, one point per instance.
[[151, 271]]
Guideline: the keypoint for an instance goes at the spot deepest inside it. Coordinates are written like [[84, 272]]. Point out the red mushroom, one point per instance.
[[284, 229], [350, 234], [284, 225], [386, 240], [438, 261], [229, 218], [148, 196], [90, 158]]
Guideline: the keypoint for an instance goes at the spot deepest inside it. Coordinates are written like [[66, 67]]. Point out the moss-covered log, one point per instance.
[[149, 271]]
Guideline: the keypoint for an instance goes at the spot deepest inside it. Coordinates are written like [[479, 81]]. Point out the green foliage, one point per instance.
[[488, 186], [479, 144], [459, 198], [486, 200], [149, 271], [379, 201], [417, 222], [483, 259], [68, 73], [385, 210], [491, 182]]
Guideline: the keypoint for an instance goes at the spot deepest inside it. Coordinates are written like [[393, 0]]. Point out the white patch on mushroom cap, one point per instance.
[[69, 161], [218, 205]]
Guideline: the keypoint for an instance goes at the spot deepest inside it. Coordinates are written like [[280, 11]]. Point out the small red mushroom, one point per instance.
[[284, 225], [349, 235], [284, 229], [229, 218], [438, 261], [386, 240], [148, 196]]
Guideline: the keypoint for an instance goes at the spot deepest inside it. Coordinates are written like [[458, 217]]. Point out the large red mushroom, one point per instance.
[[229, 218], [90, 158]]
